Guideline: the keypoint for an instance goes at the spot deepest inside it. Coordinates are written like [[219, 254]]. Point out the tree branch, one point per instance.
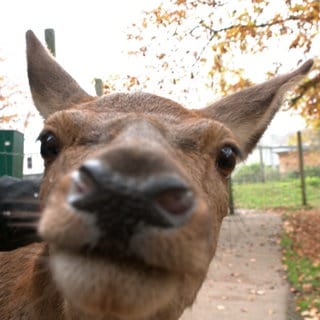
[[304, 87], [214, 32]]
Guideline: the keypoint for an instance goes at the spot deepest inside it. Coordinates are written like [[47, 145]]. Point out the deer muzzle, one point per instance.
[[125, 204], [119, 194]]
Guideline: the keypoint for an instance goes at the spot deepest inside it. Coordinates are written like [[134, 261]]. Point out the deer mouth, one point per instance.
[[116, 242], [119, 208], [100, 286], [147, 234], [156, 221], [142, 222]]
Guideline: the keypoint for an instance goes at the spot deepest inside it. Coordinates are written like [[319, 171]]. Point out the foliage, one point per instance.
[[301, 247], [10, 98], [255, 173], [310, 138], [276, 194], [307, 97], [312, 171], [309, 171], [182, 38], [249, 173], [313, 181], [5, 94]]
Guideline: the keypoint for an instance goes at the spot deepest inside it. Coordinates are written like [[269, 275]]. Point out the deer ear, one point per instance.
[[248, 112], [52, 88]]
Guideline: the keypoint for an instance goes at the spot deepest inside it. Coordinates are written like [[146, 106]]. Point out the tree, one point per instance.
[[11, 97], [179, 39], [5, 95], [310, 137]]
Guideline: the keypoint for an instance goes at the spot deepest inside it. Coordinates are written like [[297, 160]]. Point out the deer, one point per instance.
[[132, 199]]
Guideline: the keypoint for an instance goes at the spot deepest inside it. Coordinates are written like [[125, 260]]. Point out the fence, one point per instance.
[[278, 176], [273, 177]]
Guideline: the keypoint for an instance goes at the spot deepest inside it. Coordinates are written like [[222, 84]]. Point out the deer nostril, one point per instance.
[[172, 197], [175, 201], [83, 184], [162, 200]]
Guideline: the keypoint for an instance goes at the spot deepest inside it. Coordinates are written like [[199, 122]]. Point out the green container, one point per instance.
[[11, 153]]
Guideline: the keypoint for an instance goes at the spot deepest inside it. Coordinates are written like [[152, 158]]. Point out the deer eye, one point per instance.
[[50, 145], [227, 159]]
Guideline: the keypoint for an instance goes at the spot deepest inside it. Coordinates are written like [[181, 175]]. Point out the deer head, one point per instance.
[[135, 189]]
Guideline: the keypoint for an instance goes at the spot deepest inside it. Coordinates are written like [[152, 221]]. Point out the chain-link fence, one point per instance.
[[279, 176], [273, 177]]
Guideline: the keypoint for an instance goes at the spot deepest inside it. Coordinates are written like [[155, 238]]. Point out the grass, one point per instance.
[[301, 236], [304, 275], [276, 194]]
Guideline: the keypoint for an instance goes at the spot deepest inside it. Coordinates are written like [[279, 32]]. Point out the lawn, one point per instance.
[[301, 235], [301, 257], [276, 194]]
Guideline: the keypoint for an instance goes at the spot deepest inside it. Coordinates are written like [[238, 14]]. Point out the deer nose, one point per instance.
[[160, 199]]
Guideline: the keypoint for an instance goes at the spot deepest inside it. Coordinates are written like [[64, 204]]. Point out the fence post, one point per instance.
[[262, 172], [301, 170], [231, 198], [50, 40], [98, 85]]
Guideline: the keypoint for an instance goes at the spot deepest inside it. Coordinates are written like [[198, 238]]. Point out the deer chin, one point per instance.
[[135, 288], [99, 286], [157, 266]]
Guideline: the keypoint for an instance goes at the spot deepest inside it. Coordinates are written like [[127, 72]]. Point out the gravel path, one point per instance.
[[245, 279]]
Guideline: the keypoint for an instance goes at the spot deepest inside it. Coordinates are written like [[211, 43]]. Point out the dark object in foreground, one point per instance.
[[19, 212]]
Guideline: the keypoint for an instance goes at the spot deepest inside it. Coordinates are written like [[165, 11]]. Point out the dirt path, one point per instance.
[[245, 280]]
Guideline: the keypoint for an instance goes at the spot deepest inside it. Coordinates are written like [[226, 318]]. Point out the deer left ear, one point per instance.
[[52, 88], [248, 112]]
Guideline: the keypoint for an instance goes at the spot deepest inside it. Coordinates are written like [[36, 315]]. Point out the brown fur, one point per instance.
[[138, 135]]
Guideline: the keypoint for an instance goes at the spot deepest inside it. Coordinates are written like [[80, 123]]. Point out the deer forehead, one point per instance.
[[144, 103], [139, 116]]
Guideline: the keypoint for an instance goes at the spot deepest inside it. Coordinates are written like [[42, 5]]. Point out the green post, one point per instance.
[[98, 84], [301, 170], [262, 171], [11, 153], [50, 40], [231, 198]]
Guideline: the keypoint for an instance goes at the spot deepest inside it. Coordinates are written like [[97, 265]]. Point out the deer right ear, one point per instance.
[[52, 88], [248, 112]]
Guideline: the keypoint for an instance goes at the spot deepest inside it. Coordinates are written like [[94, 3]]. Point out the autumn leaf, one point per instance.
[[220, 32]]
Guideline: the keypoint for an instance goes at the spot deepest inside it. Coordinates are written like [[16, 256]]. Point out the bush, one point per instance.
[[308, 171], [313, 181], [248, 173], [301, 244], [253, 173], [312, 171]]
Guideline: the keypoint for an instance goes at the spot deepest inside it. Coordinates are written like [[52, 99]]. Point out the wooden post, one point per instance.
[[98, 84], [50, 40], [231, 198], [262, 172], [301, 170]]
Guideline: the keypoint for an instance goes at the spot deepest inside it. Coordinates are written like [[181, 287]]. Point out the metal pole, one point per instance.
[[262, 172], [98, 84], [231, 198], [301, 170], [50, 40]]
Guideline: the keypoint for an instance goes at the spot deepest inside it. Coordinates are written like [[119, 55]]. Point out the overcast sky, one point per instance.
[[90, 41], [90, 35]]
